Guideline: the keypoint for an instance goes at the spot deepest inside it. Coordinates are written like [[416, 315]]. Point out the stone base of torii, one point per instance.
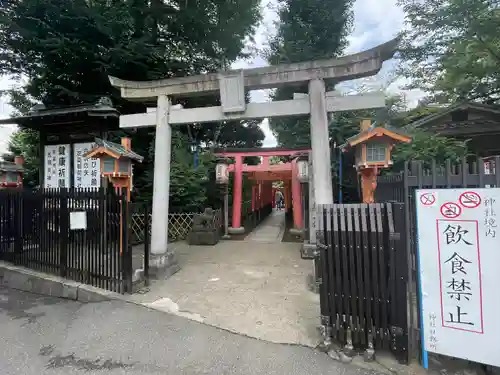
[[231, 86]]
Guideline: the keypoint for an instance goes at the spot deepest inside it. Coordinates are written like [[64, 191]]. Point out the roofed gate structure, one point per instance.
[[231, 86]]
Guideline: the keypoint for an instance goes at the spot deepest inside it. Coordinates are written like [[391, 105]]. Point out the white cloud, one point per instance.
[[375, 22]]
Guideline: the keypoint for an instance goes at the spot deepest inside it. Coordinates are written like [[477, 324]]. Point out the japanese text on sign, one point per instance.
[[433, 341], [460, 274], [87, 171], [490, 220], [56, 163], [458, 257]]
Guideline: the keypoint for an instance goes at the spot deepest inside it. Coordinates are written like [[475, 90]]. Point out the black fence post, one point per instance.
[[497, 171], [16, 210], [126, 253], [401, 301], [63, 230]]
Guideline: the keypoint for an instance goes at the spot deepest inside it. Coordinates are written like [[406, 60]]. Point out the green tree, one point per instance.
[[451, 49], [424, 146], [307, 30], [427, 147], [66, 50], [18, 146]]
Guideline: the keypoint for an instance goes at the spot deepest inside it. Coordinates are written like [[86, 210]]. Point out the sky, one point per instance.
[[375, 22]]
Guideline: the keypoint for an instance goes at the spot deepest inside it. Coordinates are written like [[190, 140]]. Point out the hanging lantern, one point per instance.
[[221, 174], [303, 171]]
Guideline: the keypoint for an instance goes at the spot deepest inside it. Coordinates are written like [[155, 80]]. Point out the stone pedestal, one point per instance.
[[308, 250], [239, 230], [203, 238], [204, 232], [163, 266], [297, 231]]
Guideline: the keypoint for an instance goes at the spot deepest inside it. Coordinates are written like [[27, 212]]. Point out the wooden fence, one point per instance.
[[363, 277], [400, 187]]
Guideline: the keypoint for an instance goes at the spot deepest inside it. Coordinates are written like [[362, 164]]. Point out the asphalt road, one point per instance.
[[41, 335]]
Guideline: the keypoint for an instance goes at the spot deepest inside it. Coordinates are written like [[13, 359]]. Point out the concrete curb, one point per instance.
[[49, 285]]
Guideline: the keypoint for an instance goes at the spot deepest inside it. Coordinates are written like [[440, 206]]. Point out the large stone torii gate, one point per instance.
[[231, 86]]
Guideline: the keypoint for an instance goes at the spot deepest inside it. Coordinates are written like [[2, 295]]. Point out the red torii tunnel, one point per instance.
[[263, 176]]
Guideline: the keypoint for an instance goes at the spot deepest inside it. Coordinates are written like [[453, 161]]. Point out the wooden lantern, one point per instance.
[[11, 174], [372, 149], [116, 162]]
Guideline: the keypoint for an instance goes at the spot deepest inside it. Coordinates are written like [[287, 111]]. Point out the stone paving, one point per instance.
[[271, 230], [254, 289]]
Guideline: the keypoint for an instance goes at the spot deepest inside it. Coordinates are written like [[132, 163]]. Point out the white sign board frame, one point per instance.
[[458, 258], [57, 166], [87, 172]]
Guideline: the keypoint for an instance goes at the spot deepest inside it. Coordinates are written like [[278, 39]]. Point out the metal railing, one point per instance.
[[74, 233]]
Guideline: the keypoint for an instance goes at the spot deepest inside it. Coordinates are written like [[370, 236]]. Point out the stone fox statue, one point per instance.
[[204, 232]]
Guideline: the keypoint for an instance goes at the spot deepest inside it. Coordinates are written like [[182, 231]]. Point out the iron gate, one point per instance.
[[38, 230]]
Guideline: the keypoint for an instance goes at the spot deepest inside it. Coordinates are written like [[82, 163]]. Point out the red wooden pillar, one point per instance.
[[254, 197], [269, 192], [236, 227], [296, 199], [261, 194]]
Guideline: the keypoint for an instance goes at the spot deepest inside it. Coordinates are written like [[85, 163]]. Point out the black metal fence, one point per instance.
[[363, 276], [400, 187], [77, 234]]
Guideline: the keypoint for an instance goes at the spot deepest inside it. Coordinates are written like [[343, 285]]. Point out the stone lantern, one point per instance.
[[222, 173], [372, 149], [222, 178], [303, 170]]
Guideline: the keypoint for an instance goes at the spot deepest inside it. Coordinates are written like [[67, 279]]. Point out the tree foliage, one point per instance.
[[66, 50], [451, 48], [307, 30], [427, 147], [424, 146], [19, 145]]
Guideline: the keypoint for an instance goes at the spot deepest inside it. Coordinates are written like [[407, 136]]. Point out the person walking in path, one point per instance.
[[280, 199]]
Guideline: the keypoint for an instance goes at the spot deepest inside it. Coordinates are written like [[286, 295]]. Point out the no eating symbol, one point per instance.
[[450, 210], [427, 199]]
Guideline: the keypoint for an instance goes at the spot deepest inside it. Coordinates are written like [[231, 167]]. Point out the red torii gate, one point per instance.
[[263, 175]]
